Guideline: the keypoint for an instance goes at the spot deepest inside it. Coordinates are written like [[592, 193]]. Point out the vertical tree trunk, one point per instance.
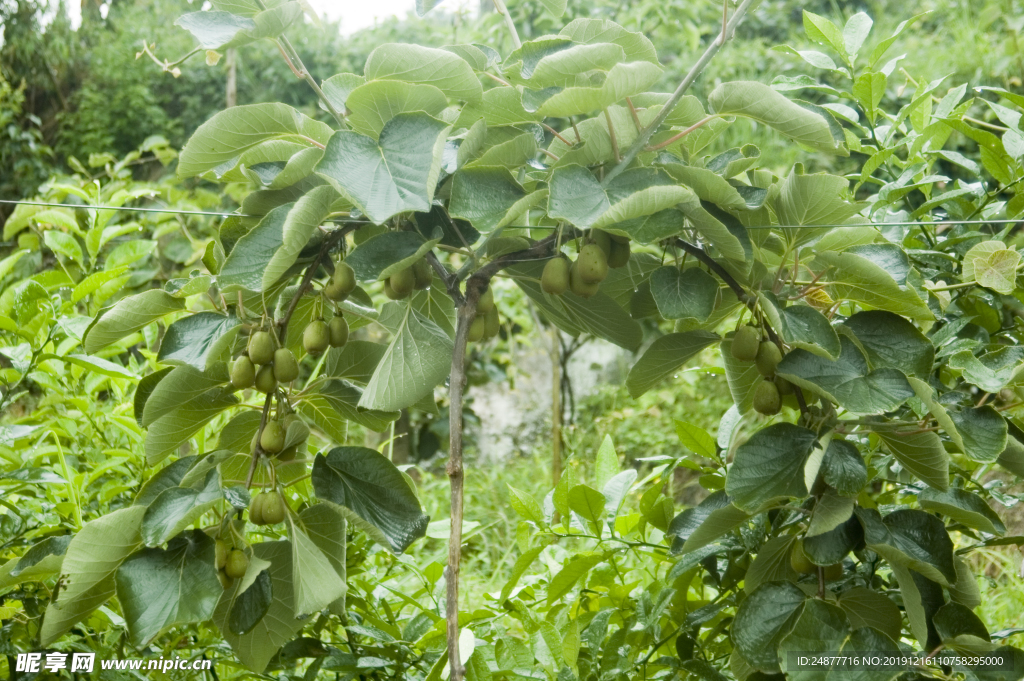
[[232, 85]]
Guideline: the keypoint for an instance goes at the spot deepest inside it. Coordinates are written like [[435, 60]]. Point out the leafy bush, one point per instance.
[[868, 336]]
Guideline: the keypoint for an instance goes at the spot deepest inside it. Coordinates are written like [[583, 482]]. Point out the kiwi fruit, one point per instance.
[[236, 564], [784, 386], [422, 274], [273, 508], [286, 369], [338, 331], [578, 286], [344, 280], [799, 561], [486, 302], [603, 241], [316, 337], [476, 329], [243, 373], [403, 282], [288, 453], [390, 292], [492, 323], [333, 291], [767, 400], [592, 264], [834, 572], [261, 347], [768, 358], [256, 510], [265, 381], [272, 439], [619, 256], [745, 343], [555, 278], [221, 554]]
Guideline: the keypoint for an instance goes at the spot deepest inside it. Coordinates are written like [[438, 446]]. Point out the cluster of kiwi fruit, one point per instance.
[[267, 508], [799, 561], [231, 561], [600, 251], [486, 324], [415, 277], [276, 364], [274, 437], [749, 346]]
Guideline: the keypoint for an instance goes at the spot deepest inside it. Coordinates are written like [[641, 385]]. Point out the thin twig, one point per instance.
[[557, 134], [636, 118], [645, 135], [611, 135], [684, 133], [499, 5]]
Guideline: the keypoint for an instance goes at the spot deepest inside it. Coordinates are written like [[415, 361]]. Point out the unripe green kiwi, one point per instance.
[[799, 561], [338, 329], [403, 282], [834, 572], [288, 453], [578, 286], [344, 278], [225, 581], [768, 358], [286, 369], [555, 278], [390, 292], [486, 302], [272, 439], [492, 323], [745, 343], [316, 337], [784, 386], [256, 509], [265, 381], [476, 329], [273, 508], [603, 241], [592, 264], [237, 564], [619, 238], [333, 291], [261, 347], [767, 400], [422, 273], [221, 554], [243, 373], [619, 257]]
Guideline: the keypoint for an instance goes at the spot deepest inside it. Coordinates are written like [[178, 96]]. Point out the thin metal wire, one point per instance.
[[911, 223]]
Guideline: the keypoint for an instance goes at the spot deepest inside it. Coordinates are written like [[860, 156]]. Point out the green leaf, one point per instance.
[[575, 567], [983, 432], [665, 356], [417, 360], [992, 265], [743, 377], [391, 175], [843, 468], [920, 453], [990, 371], [374, 103], [964, 507], [128, 316], [684, 294], [490, 198], [770, 465], [588, 503], [245, 266], [577, 196], [830, 511], [525, 505], [179, 387], [912, 539], [499, 106], [217, 30], [847, 379], [298, 227], [41, 561], [821, 629], [621, 81], [169, 431], [803, 327], [160, 588], [856, 278], [763, 620], [315, 580], [889, 340], [636, 45], [326, 526], [383, 255], [696, 439], [93, 364], [369, 485], [224, 137], [279, 625], [868, 608], [334, 402], [65, 244], [252, 604], [763, 104], [355, 362], [772, 563], [176, 508], [606, 464], [197, 340], [706, 521], [445, 70], [91, 560], [523, 563]]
